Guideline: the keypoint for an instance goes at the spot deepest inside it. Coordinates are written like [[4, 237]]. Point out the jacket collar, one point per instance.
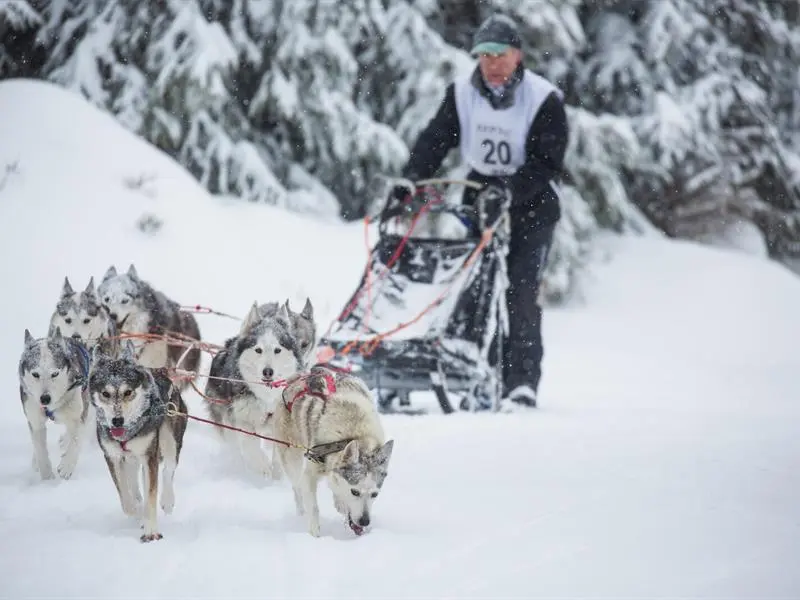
[[506, 97]]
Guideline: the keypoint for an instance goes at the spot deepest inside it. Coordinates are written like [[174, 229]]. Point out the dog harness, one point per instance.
[[318, 453], [307, 391]]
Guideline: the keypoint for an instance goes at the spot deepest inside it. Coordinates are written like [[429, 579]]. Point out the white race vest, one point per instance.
[[492, 141]]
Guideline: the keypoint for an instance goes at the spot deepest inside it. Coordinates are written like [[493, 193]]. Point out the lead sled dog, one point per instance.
[[240, 391], [52, 386], [136, 307], [137, 432], [333, 415]]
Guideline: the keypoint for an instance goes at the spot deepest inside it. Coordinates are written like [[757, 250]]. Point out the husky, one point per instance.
[[242, 383], [135, 429], [334, 417], [82, 317], [304, 327], [52, 385], [137, 308]]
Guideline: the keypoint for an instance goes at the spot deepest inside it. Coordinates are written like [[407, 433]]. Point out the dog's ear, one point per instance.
[[127, 352], [28, 337], [66, 289], [132, 272], [90, 287], [308, 310], [382, 455], [95, 355], [111, 272], [283, 312], [253, 317], [350, 454]]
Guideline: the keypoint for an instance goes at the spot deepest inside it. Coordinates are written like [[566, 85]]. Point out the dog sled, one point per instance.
[[429, 314]]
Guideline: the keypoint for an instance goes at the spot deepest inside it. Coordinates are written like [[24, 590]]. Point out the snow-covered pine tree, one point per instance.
[[694, 86], [21, 54], [300, 103]]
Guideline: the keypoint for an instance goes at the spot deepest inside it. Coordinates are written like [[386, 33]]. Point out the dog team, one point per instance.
[[110, 350]]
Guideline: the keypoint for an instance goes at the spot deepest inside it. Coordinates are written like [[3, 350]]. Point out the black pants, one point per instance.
[[531, 238], [523, 349]]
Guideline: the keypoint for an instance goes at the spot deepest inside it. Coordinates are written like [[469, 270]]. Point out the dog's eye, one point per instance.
[[258, 351], [374, 494], [125, 300], [87, 321], [106, 299], [127, 393], [355, 492], [35, 375], [277, 350], [67, 320], [304, 344], [105, 394], [54, 374]]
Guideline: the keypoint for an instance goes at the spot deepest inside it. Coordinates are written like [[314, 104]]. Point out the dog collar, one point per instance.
[[318, 453], [49, 414]]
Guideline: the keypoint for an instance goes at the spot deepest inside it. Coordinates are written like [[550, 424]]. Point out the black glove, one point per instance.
[[403, 200], [492, 200]]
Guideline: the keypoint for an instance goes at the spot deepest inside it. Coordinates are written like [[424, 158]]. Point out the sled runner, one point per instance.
[[429, 312]]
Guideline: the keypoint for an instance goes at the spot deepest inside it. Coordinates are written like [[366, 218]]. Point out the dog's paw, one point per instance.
[[150, 537], [47, 473], [66, 467]]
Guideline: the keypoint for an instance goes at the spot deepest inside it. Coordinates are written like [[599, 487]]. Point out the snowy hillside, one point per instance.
[[662, 462]]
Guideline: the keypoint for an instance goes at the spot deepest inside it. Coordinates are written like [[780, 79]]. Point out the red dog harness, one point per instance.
[[307, 391]]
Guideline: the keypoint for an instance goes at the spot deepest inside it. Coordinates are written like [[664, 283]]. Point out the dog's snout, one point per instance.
[[363, 521], [268, 372], [76, 336], [117, 422], [113, 316], [45, 399]]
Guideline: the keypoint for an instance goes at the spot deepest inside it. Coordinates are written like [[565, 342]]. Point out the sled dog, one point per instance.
[[239, 389], [303, 326], [333, 415], [137, 308], [135, 431], [52, 384], [81, 316]]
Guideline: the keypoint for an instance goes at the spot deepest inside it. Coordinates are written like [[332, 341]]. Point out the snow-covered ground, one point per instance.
[[663, 460]]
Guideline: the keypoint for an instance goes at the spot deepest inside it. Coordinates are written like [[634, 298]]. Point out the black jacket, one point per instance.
[[534, 203]]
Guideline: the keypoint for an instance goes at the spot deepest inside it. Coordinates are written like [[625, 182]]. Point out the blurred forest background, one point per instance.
[[684, 114]]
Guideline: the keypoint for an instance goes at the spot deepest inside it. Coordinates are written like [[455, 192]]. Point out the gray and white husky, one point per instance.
[[81, 316], [304, 327], [239, 391], [52, 384], [137, 308], [135, 431], [333, 415]]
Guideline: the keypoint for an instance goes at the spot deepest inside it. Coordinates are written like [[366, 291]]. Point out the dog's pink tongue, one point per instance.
[[357, 529], [117, 432]]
